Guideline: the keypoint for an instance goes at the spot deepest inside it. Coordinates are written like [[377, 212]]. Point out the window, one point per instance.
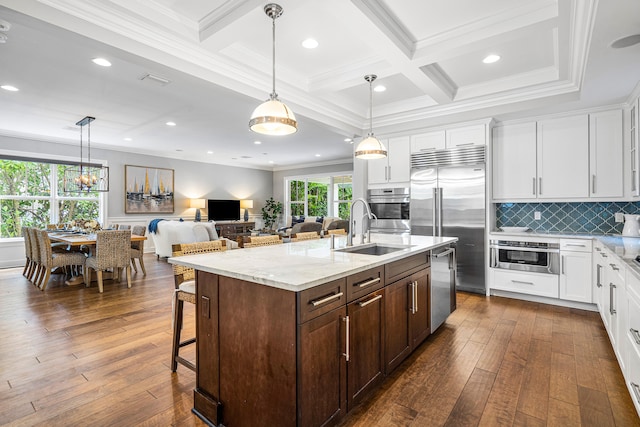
[[31, 195], [319, 196]]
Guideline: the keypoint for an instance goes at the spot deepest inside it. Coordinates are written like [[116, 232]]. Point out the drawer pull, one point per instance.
[[636, 391], [317, 302], [603, 254], [578, 245], [614, 267], [598, 249], [612, 309], [366, 303], [524, 283], [635, 334], [598, 275], [367, 282]]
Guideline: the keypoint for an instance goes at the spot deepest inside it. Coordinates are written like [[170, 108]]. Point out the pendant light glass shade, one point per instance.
[[370, 148], [85, 176], [273, 117]]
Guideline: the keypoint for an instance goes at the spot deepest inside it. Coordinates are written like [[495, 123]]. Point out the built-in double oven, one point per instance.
[[536, 257], [391, 208]]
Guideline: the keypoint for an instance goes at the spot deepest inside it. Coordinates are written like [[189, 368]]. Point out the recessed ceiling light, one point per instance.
[[626, 41], [271, 161], [379, 88], [490, 59], [10, 88], [310, 44], [257, 142], [128, 139], [101, 62], [318, 155], [170, 123], [348, 140], [209, 152]]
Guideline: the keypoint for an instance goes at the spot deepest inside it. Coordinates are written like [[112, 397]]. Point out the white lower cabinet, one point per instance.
[[575, 270], [614, 290], [540, 284], [599, 259], [633, 341]]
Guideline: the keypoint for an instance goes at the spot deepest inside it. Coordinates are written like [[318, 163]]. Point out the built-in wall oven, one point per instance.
[[391, 208], [536, 257]]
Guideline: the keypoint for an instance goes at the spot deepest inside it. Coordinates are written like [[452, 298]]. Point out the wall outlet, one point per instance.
[[537, 215], [619, 216]]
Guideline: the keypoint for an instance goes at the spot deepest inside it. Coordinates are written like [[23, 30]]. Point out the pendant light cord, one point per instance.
[[370, 107], [274, 95]]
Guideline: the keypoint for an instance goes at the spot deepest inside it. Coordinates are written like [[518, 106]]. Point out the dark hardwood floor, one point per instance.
[[72, 356]]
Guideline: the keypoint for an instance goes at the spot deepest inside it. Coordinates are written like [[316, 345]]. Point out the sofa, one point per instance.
[[293, 220], [168, 233]]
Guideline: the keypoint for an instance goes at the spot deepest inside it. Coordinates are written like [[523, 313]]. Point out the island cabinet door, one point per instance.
[[419, 315], [365, 341], [398, 297], [322, 369]]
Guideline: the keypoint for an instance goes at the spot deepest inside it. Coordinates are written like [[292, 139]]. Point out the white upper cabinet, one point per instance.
[[396, 167], [465, 136], [563, 158], [428, 141], [634, 153], [606, 154], [514, 161]]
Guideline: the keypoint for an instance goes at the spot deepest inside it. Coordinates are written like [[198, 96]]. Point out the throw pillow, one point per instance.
[[211, 229], [297, 219], [200, 233]]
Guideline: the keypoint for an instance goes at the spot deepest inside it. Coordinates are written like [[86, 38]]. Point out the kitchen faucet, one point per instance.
[[368, 214]]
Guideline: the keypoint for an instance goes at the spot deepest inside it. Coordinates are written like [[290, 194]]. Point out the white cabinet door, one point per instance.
[[563, 157], [428, 141], [514, 161], [634, 152], [575, 276], [396, 167], [399, 160], [599, 262], [466, 136], [606, 154], [612, 296]]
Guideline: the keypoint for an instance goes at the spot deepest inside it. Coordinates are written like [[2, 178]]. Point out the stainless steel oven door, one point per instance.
[[391, 207]]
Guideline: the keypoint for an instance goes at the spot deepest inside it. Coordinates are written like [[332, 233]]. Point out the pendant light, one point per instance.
[[273, 117], [86, 177], [370, 148]]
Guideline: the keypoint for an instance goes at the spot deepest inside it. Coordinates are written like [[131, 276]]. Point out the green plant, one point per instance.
[[270, 213]]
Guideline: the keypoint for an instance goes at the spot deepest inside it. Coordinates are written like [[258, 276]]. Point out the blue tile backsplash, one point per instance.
[[589, 218]]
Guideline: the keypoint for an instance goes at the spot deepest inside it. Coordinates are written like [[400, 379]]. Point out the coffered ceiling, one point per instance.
[[216, 57]]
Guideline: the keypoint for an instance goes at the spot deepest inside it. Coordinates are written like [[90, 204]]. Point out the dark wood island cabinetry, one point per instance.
[[273, 356]]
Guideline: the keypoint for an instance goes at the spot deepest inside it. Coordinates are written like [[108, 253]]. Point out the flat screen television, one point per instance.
[[223, 210]]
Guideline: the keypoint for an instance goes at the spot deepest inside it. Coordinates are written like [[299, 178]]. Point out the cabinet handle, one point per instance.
[[598, 275], [415, 297], [346, 340], [534, 185], [540, 185], [367, 282], [597, 249], [593, 184], [366, 303], [524, 283], [612, 309], [562, 264], [317, 302], [614, 267], [603, 254], [389, 179], [464, 145], [635, 334], [636, 391], [577, 245]]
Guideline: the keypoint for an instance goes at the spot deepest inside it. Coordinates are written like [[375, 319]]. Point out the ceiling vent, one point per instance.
[[155, 79]]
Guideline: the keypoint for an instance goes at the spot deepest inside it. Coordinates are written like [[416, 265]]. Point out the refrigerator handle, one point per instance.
[[440, 191], [435, 211]]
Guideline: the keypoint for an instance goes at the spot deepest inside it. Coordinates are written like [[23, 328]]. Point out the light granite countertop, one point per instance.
[[301, 265]]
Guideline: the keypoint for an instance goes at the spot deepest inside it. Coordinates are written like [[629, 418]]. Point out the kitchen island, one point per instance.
[[296, 334]]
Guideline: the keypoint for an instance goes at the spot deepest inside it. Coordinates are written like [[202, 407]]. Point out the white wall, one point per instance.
[[191, 180]]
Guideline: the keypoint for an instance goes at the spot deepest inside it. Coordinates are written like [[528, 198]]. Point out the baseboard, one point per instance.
[[544, 300]]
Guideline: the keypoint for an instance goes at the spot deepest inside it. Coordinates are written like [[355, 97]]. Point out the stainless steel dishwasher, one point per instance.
[[443, 285]]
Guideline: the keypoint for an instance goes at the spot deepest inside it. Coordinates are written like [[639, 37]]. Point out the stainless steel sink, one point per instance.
[[373, 249]]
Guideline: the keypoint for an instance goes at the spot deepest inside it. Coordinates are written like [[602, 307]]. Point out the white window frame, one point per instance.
[[331, 203]]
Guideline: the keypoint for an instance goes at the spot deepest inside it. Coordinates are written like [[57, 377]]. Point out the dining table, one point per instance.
[[81, 239]]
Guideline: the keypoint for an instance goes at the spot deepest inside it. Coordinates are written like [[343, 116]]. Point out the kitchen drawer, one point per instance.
[[632, 377], [402, 268], [546, 285], [360, 284], [615, 269], [321, 299], [576, 245]]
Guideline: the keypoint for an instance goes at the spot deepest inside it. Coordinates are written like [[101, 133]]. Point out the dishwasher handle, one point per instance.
[[444, 253]]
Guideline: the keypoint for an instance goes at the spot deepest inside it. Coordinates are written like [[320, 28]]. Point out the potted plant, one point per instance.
[[270, 213]]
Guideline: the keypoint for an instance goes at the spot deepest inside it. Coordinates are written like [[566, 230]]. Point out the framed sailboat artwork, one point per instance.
[[148, 190]]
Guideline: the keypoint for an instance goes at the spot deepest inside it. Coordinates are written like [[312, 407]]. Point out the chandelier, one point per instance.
[[371, 148], [273, 117], [86, 176]]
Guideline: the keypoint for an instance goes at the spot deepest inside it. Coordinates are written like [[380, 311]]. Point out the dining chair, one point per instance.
[[27, 252], [50, 259], [137, 248], [255, 241], [338, 232], [308, 235], [185, 290], [124, 227], [113, 250]]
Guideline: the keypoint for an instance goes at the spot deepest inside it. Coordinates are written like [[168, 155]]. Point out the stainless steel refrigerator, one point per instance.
[[448, 199]]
